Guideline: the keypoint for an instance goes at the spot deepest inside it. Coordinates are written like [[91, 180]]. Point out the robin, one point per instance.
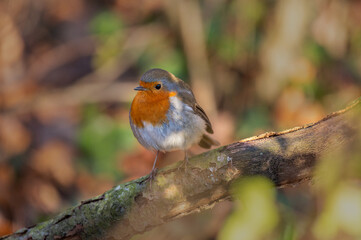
[[165, 116]]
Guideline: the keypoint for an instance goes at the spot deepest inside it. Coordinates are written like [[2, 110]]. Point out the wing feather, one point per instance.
[[188, 98]]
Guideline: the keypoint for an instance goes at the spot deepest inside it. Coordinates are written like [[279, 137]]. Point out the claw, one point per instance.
[[183, 166], [152, 175]]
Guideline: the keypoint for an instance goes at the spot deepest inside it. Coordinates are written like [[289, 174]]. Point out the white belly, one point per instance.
[[183, 129]]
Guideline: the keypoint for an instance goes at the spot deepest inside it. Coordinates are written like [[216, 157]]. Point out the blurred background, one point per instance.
[[67, 73]]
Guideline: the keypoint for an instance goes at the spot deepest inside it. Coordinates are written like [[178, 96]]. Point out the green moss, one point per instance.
[[213, 158]]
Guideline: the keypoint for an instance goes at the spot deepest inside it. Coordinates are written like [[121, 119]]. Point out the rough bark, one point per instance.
[[134, 207]]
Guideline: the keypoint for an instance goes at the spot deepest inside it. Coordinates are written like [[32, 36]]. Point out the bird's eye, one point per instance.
[[158, 86]]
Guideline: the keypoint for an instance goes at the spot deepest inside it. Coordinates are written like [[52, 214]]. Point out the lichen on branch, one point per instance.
[[134, 207]]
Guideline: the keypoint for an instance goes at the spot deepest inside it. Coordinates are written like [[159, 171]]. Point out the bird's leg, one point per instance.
[[185, 162], [153, 173]]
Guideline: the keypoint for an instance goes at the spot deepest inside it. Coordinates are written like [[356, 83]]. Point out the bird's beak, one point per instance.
[[140, 88]]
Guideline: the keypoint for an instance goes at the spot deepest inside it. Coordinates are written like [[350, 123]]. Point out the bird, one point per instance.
[[165, 116]]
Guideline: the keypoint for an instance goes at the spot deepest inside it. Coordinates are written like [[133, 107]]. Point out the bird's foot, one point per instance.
[[152, 175], [183, 166], [186, 167]]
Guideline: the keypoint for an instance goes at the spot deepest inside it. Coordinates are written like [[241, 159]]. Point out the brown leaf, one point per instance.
[[54, 159], [11, 43], [90, 186], [7, 177], [14, 137], [65, 11], [5, 226], [42, 195], [47, 113], [138, 164], [293, 109], [18, 94]]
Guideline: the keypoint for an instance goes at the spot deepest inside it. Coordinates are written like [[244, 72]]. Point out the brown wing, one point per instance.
[[200, 112], [207, 142], [189, 99]]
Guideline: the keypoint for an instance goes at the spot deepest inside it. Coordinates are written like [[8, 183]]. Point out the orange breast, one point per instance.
[[149, 107]]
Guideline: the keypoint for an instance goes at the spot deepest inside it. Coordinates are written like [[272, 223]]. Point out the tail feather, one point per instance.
[[208, 142]]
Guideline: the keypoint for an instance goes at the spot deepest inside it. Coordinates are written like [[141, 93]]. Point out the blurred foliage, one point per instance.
[[255, 120], [339, 190], [107, 28], [171, 59], [101, 139], [255, 216], [67, 73], [342, 213]]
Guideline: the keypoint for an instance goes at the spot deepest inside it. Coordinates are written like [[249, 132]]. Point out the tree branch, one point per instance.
[[135, 207]]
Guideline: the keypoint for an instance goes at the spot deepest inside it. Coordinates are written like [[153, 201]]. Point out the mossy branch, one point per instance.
[[134, 207]]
